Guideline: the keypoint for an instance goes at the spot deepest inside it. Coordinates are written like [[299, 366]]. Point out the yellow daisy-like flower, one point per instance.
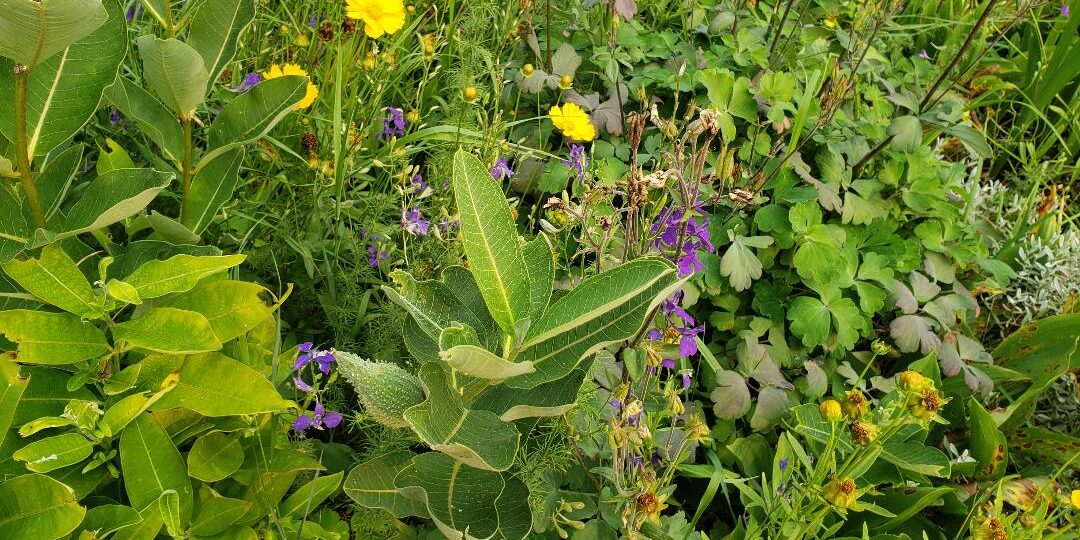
[[379, 16], [276, 71], [572, 121], [1074, 498]]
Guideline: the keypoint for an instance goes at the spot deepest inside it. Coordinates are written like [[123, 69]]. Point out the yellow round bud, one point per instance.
[[566, 82], [469, 93], [369, 61], [410, 8], [830, 410], [527, 70], [913, 380], [413, 116]]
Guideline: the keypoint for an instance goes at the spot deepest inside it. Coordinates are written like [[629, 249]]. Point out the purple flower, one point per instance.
[[668, 363], [132, 12], [324, 359], [922, 54], [115, 118], [688, 341], [783, 464], [578, 161], [695, 239], [250, 81], [445, 224], [375, 257], [617, 405], [313, 21], [413, 222], [686, 379], [637, 462], [671, 307], [301, 385], [501, 170], [319, 420], [418, 183], [393, 124], [1065, 10], [305, 347]]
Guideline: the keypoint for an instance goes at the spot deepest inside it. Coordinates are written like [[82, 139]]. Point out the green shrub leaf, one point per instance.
[[51, 338], [175, 71], [32, 31], [36, 506]]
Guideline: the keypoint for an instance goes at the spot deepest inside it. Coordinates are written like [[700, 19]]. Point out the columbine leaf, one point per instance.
[[731, 397], [491, 243], [772, 404], [914, 333], [739, 264]]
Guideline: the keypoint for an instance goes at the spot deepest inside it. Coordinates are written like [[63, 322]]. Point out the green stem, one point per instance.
[[186, 170], [22, 153]]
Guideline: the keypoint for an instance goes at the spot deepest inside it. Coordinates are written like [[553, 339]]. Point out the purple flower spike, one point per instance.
[[414, 223], [686, 379], [393, 125], [783, 464], [375, 257], [617, 405], [578, 161], [501, 170], [668, 363]]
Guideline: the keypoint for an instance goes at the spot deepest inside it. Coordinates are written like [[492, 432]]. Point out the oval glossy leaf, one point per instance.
[[309, 496], [152, 465], [108, 518], [490, 239], [153, 119], [52, 453], [214, 457], [371, 484], [36, 506], [168, 330], [211, 188], [217, 514], [113, 196], [32, 31], [204, 384], [232, 307], [175, 71], [54, 278], [63, 92], [215, 28], [51, 338], [251, 115], [178, 273]]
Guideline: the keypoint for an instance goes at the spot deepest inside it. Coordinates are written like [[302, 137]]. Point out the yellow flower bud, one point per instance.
[[830, 22], [413, 116], [840, 492], [566, 82], [914, 381], [830, 410], [369, 61], [469, 93], [410, 8], [1074, 498], [527, 70]]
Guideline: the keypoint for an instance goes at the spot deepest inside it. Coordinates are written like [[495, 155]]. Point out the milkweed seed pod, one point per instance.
[[385, 390]]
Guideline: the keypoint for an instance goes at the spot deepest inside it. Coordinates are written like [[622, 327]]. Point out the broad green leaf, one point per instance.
[[46, 394], [818, 258], [917, 457], [468, 503], [309, 496], [63, 92], [906, 133], [987, 444], [603, 309], [178, 273], [739, 264], [479, 362], [32, 31], [169, 229], [772, 404], [175, 71], [203, 384], [112, 157], [540, 261], [217, 514], [150, 523], [215, 28], [814, 321], [153, 119], [108, 518], [211, 188], [549, 399], [214, 457], [435, 306], [233, 308], [1046, 446], [490, 239], [54, 452], [168, 330], [54, 278], [114, 196], [12, 387], [36, 506], [152, 465], [251, 115], [123, 412], [51, 338], [14, 226], [371, 484], [477, 438], [169, 507], [731, 397]]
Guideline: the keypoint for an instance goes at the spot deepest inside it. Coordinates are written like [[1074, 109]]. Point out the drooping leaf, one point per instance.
[[108, 518], [32, 31], [479, 362], [168, 330], [730, 397], [914, 333], [468, 503], [215, 28], [114, 196], [54, 278], [51, 338], [490, 240], [772, 404], [202, 384], [604, 309], [153, 119], [251, 115], [63, 91], [211, 188], [1042, 350], [477, 438], [153, 465], [371, 484], [175, 71], [36, 506], [548, 399]]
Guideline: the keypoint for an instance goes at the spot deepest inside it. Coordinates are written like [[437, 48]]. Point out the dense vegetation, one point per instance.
[[600, 269]]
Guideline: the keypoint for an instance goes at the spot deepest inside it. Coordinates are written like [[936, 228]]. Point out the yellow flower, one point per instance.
[[840, 492], [830, 410], [913, 380], [379, 16], [1074, 498], [276, 71], [854, 404], [572, 121]]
